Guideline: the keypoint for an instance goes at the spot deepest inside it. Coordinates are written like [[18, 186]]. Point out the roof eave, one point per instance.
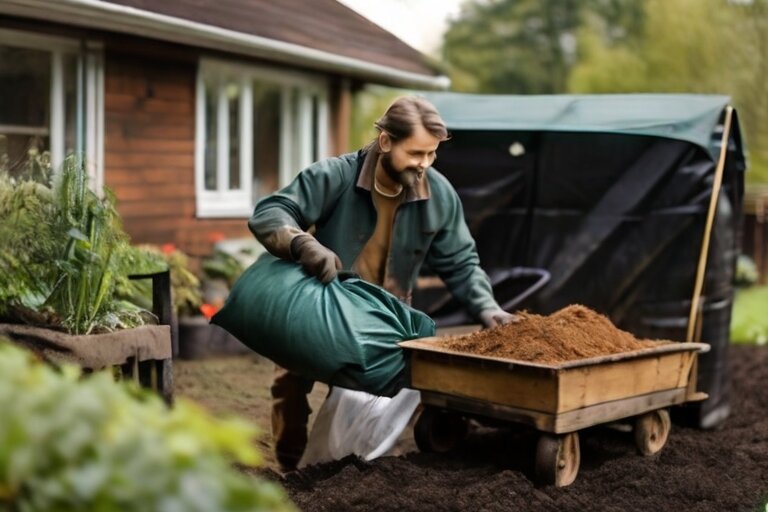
[[129, 20]]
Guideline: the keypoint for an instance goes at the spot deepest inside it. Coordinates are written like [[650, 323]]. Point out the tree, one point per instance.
[[526, 46]]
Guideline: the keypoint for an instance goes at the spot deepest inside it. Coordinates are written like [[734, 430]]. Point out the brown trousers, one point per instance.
[[290, 415]]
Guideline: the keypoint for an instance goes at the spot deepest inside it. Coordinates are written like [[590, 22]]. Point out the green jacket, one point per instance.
[[334, 195]]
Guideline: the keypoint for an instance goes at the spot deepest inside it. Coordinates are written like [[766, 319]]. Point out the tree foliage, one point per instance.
[[526, 46]]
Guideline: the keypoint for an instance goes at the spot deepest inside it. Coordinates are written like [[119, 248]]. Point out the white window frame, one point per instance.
[[239, 203], [90, 108]]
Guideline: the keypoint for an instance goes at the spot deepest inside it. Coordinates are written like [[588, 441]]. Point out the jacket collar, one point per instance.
[[367, 159]]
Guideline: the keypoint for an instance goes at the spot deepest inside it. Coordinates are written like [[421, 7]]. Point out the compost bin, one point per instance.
[[609, 195]]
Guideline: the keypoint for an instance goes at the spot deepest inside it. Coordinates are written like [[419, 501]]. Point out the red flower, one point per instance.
[[168, 248], [208, 310]]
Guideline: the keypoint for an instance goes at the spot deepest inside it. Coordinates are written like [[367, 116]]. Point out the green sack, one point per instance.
[[344, 333]]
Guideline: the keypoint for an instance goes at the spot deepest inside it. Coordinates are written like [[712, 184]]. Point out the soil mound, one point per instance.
[[574, 332]]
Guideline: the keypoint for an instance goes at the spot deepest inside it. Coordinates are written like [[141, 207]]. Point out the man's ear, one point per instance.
[[385, 142]]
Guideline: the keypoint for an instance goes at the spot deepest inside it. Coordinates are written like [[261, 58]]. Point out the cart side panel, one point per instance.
[[590, 385], [607, 412], [533, 389]]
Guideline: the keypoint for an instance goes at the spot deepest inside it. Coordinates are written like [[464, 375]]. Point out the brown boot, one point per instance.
[[290, 413]]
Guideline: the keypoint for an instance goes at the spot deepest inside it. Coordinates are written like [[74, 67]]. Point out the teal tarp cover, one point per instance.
[[344, 333], [688, 117]]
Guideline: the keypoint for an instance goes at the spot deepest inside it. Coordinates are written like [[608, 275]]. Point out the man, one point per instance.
[[381, 212]]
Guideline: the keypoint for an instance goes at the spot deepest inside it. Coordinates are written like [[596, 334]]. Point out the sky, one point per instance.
[[420, 23]]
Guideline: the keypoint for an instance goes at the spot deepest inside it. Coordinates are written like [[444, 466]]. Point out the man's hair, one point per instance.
[[405, 113]]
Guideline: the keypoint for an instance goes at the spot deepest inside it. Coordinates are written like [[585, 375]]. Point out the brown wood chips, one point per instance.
[[574, 332]]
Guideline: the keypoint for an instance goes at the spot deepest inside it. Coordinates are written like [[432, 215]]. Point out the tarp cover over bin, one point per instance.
[[609, 193]]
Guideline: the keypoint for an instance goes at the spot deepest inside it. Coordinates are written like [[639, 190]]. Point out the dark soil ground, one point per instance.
[[720, 470]]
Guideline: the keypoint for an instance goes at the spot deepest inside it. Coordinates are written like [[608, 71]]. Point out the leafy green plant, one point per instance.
[[185, 286], [26, 208], [222, 265], [64, 251], [73, 443], [143, 261]]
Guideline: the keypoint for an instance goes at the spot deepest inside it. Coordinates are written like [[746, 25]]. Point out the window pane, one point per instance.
[[233, 101], [25, 78], [211, 102], [266, 138]]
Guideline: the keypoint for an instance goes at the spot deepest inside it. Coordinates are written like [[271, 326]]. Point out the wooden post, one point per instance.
[[700, 271], [341, 117]]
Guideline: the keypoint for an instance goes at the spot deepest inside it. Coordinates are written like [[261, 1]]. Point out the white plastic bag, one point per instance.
[[355, 422]]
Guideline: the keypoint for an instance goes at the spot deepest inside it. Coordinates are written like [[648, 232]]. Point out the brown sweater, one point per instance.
[[372, 260]]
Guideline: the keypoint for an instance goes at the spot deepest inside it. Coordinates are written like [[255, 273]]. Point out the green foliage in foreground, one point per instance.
[[64, 254], [749, 323], [72, 443]]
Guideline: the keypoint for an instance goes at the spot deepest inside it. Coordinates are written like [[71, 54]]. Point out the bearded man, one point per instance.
[[381, 212]]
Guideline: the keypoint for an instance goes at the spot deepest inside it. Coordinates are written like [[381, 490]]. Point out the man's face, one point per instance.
[[406, 161]]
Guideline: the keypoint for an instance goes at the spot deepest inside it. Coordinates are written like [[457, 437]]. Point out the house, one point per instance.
[[190, 110]]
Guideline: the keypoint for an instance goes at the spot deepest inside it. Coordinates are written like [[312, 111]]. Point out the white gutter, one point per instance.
[[129, 20]]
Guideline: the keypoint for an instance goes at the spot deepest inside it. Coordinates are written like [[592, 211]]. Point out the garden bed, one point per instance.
[[726, 469]]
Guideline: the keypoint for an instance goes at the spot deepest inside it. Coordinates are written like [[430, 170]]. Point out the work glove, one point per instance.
[[496, 317], [316, 259]]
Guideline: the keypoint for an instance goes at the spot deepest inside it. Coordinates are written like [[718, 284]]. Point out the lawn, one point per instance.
[[749, 323]]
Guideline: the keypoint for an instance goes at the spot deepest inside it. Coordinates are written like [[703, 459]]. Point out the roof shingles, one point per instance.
[[324, 25]]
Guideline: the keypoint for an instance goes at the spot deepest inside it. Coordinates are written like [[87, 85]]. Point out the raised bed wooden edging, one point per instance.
[[142, 354]]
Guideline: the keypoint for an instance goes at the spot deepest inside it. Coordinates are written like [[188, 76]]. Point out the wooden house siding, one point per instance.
[[149, 160]]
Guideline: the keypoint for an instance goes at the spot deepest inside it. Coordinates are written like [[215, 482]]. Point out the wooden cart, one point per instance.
[[558, 400]]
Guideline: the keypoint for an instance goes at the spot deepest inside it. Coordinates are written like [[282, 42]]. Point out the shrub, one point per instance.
[[74, 443], [64, 252]]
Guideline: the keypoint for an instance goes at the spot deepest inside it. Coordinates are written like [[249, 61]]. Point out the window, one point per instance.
[[256, 128], [51, 94]]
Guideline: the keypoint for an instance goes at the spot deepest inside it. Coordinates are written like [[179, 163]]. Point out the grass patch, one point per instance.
[[749, 323]]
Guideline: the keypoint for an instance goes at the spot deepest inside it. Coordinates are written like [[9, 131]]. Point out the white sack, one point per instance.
[[356, 422]]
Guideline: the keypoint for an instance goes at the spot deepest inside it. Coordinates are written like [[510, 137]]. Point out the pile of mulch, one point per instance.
[[697, 471], [574, 332]]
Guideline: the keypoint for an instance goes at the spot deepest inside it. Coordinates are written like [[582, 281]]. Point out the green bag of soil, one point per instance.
[[344, 333]]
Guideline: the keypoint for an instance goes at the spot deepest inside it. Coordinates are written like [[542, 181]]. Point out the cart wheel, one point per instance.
[[651, 431], [438, 430], [557, 459]]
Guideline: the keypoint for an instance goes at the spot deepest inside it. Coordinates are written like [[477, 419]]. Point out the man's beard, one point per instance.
[[408, 177]]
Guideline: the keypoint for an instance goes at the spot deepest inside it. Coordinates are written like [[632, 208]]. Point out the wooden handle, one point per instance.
[[708, 227]]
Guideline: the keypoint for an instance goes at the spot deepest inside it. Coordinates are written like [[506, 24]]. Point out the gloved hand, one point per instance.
[[496, 317], [315, 258]]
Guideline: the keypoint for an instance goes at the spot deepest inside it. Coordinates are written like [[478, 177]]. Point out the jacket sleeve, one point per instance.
[[453, 256], [289, 212]]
